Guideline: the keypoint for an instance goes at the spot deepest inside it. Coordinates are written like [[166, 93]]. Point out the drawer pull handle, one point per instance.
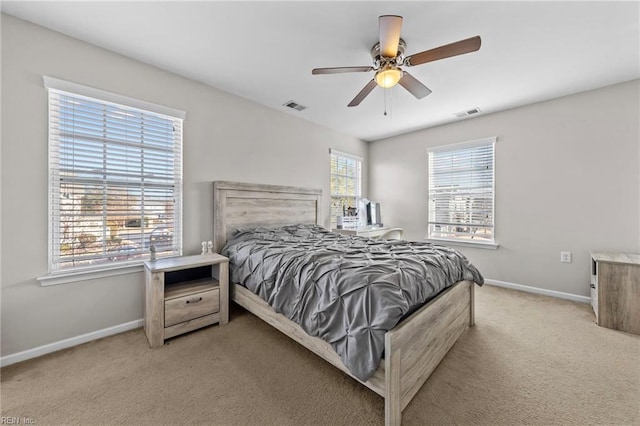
[[194, 300]]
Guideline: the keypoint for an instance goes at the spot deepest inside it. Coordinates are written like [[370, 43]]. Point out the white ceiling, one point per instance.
[[264, 51]]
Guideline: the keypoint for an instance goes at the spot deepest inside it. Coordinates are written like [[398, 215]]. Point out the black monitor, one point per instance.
[[373, 214]]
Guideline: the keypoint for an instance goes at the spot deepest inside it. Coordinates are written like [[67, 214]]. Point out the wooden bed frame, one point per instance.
[[413, 349]]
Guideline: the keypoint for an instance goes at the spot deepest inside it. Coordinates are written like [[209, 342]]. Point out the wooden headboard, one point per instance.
[[237, 205]]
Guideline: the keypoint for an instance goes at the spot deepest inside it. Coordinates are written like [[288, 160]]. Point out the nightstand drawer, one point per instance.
[[192, 306]]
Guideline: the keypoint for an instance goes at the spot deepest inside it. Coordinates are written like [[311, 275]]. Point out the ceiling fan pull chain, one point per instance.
[[388, 101], [385, 101]]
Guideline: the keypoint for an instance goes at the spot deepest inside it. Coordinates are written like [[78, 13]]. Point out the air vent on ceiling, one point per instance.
[[294, 105], [467, 113]]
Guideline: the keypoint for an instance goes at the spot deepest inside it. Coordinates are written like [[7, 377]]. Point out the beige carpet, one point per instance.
[[530, 360]]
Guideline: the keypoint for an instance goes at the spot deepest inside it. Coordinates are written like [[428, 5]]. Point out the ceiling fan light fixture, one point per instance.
[[388, 76]]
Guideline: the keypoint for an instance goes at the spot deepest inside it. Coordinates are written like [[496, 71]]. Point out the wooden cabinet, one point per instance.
[[615, 290], [183, 294]]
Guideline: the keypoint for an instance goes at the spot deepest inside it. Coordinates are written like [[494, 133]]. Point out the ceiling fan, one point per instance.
[[388, 58]]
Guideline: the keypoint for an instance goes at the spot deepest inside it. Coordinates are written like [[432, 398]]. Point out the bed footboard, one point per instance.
[[415, 347]]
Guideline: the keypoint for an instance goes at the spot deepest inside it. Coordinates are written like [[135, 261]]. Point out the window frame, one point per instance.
[[116, 267], [469, 242], [358, 183]]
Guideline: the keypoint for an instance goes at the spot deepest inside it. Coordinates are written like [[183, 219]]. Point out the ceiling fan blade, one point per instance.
[[363, 93], [414, 86], [338, 70], [389, 28], [458, 48]]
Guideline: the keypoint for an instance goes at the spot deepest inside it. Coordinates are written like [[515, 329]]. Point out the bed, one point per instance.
[[412, 349]]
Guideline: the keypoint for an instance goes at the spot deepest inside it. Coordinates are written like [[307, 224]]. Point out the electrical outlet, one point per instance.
[[565, 256]]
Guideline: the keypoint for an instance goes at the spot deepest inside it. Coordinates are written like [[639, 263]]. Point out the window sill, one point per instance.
[[67, 277], [474, 244]]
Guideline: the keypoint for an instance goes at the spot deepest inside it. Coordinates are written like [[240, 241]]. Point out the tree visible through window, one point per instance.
[[461, 192], [115, 181], [346, 182]]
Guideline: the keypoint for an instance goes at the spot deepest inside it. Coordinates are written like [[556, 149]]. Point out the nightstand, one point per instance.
[[183, 294], [615, 290]]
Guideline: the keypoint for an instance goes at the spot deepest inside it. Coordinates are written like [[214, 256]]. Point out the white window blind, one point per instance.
[[461, 192], [115, 182], [346, 183]]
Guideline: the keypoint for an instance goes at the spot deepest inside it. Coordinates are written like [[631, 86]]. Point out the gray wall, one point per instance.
[[567, 179], [225, 138]]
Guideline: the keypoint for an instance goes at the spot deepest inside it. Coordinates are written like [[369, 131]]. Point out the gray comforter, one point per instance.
[[346, 290]]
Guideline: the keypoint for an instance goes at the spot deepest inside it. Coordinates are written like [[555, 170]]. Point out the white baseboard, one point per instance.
[[536, 290], [67, 343]]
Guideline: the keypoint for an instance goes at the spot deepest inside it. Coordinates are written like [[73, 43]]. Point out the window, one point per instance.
[[461, 192], [346, 183], [115, 178]]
